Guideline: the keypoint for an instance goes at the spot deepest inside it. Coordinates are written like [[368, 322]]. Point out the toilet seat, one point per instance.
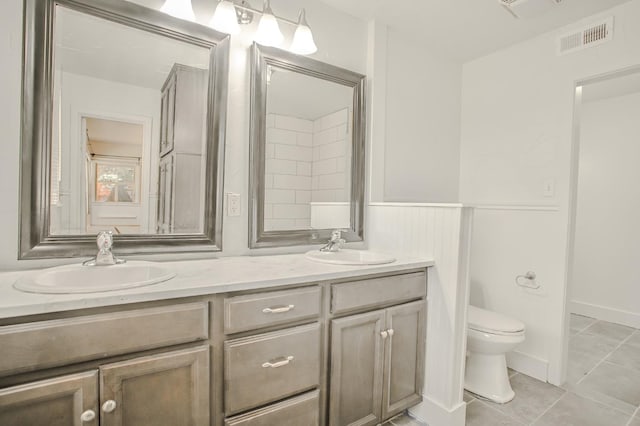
[[493, 322]]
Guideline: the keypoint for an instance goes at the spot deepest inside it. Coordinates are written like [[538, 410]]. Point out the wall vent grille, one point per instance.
[[593, 35]]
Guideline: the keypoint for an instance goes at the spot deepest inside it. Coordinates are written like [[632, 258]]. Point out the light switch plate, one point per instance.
[[233, 204]]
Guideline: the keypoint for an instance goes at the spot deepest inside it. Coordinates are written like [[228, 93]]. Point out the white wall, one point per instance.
[[607, 235], [421, 155], [83, 96], [331, 167], [515, 136], [289, 155]]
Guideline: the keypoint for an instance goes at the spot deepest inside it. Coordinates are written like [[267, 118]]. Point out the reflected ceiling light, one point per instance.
[[179, 8], [268, 33], [224, 19], [303, 43]]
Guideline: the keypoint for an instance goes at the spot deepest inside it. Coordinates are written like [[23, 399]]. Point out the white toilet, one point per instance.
[[490, 336]]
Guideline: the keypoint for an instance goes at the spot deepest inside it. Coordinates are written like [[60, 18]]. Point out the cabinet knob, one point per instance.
[[278, 309], [109, 406], [88, 416], [390, 331], [384, 334]]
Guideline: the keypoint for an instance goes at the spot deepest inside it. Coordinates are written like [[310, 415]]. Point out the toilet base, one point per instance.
[[486, 375]]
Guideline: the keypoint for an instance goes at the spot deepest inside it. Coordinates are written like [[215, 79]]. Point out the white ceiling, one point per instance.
[[467, 29], [302, 96], [103, 49]]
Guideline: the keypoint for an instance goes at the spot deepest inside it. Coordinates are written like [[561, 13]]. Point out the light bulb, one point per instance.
[[268, 33], [224, 19], [303, 43], [179, 8]]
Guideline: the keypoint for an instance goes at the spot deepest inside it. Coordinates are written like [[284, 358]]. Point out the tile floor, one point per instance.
[[602, 389]]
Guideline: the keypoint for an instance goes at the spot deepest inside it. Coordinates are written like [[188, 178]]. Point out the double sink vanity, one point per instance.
[[265, 340], [333, 337]]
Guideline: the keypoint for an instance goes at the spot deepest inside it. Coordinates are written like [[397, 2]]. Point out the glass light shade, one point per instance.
[[224, 19], [303, 43], [268, 33], [179, 8]]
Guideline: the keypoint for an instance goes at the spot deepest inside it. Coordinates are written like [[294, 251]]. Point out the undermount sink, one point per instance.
[[89, 279], [349, 257]]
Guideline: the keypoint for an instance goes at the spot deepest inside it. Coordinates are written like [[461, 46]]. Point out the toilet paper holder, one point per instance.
[[527, 280]]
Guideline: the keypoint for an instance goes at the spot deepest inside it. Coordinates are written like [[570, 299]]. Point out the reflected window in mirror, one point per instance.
[[128, 125], [307, 150]]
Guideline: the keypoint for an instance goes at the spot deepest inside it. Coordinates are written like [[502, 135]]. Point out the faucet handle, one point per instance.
[[104, 240], [336, 235]]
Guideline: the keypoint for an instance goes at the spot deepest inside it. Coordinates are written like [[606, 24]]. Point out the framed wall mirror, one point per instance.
[[123, 127], [307, 150]]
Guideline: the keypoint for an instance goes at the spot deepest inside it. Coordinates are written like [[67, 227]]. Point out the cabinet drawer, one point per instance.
[[271, 366], [242, 313], [298, 411], [43, 344], [377, 291]]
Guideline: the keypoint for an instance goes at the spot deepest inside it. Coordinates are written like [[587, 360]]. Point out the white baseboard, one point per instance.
[[529, 365], [630, 319], [434, 414]]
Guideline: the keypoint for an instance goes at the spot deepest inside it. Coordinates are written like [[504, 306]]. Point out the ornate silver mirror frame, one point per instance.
[[36, 240], [262, 58]]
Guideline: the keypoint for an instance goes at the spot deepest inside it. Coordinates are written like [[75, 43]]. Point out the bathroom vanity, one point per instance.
[[273, 340]]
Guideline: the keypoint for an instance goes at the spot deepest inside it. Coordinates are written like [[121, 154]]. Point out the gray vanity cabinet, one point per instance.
[[377, 357], [160, 390], [182, 150], [404, 357], [183, 110], [356, 369], [62, 401], [179, 195]]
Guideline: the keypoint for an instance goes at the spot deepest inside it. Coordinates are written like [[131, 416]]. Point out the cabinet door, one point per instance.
[[163, 120], [165, 195], [62, 401], [169, 118], [168, 389], [404, 357], [356, 369]]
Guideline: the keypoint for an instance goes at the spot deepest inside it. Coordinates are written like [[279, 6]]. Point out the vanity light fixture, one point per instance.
[[268, 33], [179, 8], [303, 43], [229, 14], [224, 19]]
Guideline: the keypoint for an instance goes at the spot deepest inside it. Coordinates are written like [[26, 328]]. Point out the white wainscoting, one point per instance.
[[441, 233]]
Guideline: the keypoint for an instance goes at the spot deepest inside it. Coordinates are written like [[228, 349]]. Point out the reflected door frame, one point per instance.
[[148, 194]]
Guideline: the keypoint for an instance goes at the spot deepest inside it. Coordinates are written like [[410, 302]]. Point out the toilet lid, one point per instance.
[[488, 321]]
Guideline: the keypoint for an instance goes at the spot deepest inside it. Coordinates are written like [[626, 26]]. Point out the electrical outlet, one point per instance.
[[233, 204], [549, 189]]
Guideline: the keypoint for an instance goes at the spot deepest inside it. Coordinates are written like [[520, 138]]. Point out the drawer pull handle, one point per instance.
[[109, 406], [275, 364], [278, 309], [88, 416]]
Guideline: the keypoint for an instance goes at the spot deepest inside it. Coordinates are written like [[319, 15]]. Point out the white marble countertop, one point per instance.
[[196, 278]]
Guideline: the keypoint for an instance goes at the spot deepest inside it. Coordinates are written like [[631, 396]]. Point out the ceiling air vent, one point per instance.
[[593, 35]]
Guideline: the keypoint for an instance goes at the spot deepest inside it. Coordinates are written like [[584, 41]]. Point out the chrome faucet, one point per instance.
[[335, 243], [104, 256]]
